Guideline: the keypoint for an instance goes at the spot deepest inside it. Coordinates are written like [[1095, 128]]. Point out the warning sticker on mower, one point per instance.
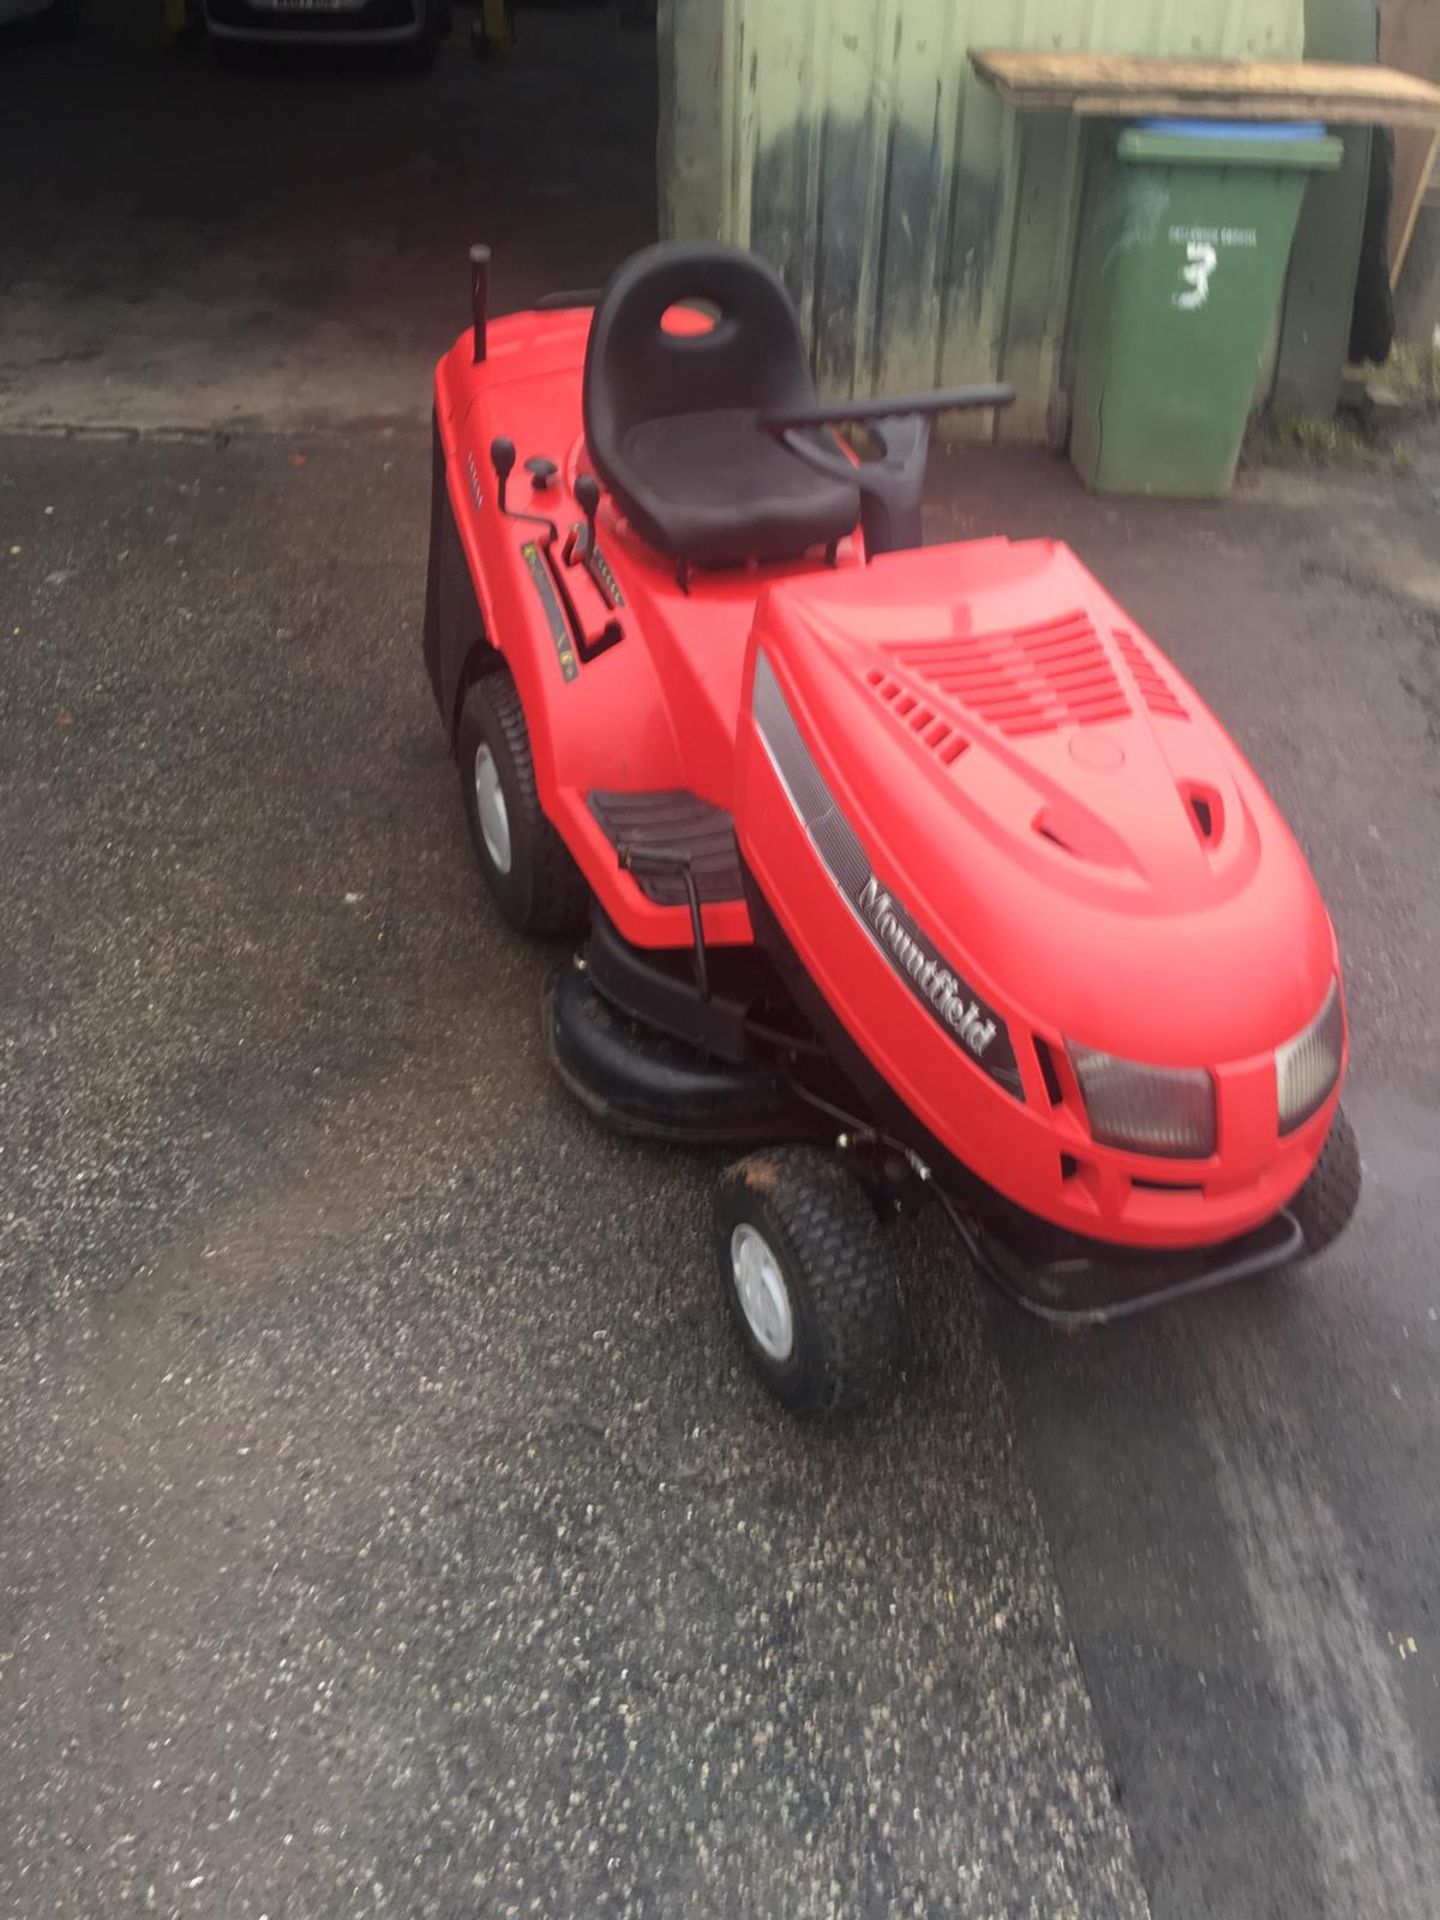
[[600, 566], [554, 614]]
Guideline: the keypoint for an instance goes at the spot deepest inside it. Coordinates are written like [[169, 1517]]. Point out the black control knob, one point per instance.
[[541, 471], [502, 459]]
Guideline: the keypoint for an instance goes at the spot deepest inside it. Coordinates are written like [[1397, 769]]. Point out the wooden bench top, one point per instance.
[[1128, 84]]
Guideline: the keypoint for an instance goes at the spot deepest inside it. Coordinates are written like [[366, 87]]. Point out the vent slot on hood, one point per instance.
[[1048, 1071], [1206, 810], [930, 728], [1032, 680], [1153, 687]]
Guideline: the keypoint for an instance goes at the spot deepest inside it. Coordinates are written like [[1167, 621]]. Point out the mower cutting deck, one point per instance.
[[923, 869]]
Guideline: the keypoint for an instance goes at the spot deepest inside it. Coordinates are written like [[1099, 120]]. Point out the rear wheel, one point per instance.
[[525, 863], [807, 1277], [1324, 1204]]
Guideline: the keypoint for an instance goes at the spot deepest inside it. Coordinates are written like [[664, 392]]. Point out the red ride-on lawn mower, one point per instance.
[[921, 869]]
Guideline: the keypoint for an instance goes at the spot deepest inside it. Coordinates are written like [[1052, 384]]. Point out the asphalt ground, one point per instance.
[[390, 1523], [1241, 1495]]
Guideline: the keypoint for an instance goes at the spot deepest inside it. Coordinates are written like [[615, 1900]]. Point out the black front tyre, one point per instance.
[[807, 1277], [526, 864], [1324, 1204]]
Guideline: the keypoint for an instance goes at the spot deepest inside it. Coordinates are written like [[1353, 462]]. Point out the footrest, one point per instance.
[[674, 825]]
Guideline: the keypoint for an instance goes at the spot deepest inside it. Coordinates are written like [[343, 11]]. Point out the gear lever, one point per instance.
[[502, 459], [587, 495]]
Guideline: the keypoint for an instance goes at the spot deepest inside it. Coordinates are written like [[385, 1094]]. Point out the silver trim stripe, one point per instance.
[[976, 1028]]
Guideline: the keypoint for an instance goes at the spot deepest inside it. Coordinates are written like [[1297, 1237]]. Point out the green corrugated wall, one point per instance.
[[926, 231]]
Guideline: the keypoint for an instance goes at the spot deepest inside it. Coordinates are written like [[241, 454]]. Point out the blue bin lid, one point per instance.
[[1237, 129]]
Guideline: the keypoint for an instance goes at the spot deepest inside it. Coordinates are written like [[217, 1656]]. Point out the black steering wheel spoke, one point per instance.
[[892, 484]]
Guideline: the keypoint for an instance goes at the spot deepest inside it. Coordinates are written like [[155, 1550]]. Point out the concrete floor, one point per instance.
[[390, 1525]]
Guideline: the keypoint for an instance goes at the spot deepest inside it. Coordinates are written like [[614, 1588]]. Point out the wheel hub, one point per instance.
[[761, 1290], [490, 809]]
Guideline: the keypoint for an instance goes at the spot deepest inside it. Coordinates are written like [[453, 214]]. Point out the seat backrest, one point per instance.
[[636, 370]]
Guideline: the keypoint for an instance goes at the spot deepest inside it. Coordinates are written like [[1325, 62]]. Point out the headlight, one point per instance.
[[1161, 1110], [1307, 1067]]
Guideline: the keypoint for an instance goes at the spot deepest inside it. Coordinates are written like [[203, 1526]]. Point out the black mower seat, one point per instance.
[[672, 419]]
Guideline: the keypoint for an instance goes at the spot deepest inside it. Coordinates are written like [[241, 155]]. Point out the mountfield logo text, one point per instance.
[[930, 977]]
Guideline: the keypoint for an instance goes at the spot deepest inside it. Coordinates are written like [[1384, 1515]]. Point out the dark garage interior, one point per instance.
[[187, 244]]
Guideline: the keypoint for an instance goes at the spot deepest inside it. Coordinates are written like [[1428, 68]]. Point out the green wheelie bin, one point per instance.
[[1180, 279]]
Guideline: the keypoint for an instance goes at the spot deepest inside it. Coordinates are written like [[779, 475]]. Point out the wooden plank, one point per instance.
[[1401, 244], [1219, 106], [1409, 42], [1095, 72], [1121, 84], [1258, 108]]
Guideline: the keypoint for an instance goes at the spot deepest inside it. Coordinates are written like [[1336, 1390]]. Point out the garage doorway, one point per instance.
[[283, 245]]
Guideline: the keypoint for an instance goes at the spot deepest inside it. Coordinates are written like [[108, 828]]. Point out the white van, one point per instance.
[[417, 26]]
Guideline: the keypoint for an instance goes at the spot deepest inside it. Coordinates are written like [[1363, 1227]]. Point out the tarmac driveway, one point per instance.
[[389, 1522]]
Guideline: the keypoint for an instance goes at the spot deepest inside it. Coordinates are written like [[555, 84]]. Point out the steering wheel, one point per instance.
[[892, 486]]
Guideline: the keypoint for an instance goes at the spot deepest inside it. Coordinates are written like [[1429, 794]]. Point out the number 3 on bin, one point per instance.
[[1196, 275]]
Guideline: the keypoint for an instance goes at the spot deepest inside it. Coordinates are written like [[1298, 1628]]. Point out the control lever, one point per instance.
[[541, 471], [587, 494], [502, 459], [584, 550]]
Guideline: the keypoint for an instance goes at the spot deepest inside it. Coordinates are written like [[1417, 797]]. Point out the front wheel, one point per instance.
[[807, 1278], [525, 863]]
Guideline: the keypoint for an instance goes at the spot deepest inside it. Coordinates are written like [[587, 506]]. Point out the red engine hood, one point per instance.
[[1056, 807]]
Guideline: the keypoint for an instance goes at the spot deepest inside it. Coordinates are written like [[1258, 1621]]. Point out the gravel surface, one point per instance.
[[391, 1522], [1241, 1496]]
